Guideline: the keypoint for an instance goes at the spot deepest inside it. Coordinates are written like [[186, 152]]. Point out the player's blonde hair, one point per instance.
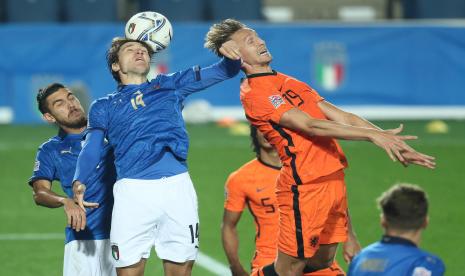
[[221, 32]]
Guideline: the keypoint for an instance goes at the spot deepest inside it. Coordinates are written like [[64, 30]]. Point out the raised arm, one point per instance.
[[338, 115], [230, 241], [392, 143]]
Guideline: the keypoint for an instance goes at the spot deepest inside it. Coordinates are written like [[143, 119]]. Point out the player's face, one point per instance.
[[263, 142], [252, 48], [133, 58], [65, 109]]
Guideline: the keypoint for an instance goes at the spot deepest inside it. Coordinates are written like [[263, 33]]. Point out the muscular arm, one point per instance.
[[333, 113], [392, 143], [231, 241], [44, 196]]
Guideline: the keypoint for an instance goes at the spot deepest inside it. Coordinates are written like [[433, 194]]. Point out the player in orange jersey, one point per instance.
[[302, 127], [254, 185]]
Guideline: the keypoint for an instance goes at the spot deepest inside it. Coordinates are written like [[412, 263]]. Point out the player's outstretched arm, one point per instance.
[[336, 114], [389, 140], [230, 241], [44, 196]]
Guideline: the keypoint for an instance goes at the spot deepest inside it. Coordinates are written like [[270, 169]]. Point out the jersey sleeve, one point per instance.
[[428, 265], [264, 104], [235, 196], [44, 167], [196, 79], [98, 115]]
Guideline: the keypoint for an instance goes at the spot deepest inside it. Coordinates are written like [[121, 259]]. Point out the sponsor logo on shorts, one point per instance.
[[115, 251], [314, 241], [421, 271]]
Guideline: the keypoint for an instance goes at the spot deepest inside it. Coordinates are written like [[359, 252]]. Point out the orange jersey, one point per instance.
[[254, 185], [265, 98]]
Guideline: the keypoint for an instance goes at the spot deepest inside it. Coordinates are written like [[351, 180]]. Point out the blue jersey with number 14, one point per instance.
[[144, 122]]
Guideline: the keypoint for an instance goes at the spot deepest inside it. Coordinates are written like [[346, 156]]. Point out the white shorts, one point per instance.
[[161, 213], [88, 258]]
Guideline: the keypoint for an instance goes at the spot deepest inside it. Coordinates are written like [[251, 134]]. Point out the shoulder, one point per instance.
[[242, 173], [50, 144], [427, 262]]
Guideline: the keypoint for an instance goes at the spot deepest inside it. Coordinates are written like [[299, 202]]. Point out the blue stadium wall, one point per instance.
[[404, 66]]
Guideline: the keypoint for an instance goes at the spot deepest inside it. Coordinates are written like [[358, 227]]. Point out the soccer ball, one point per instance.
[[150, 27]]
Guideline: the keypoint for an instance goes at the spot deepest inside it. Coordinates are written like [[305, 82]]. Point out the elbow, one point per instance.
[[37, 199]]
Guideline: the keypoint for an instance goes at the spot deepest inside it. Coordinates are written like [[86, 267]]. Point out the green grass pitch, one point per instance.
[[214, 153]]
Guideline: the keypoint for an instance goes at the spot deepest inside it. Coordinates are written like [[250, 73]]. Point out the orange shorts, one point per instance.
[[333, 270], [312, 214]]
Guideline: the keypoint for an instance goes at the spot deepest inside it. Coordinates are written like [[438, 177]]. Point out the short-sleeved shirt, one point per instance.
[[265, 98], [144, 123], [395, 256], [56, 160], [254, 185]]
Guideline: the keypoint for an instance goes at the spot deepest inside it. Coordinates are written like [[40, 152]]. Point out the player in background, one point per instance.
[[404, 216], [254, 185], [155, 201], [302, 126], [87, 244]]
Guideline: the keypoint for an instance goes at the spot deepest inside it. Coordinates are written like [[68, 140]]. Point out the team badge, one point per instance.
[[131, 28], [421, 271], [115, 251], [314, 241], [276, 101], [329, 60], [36, 165]]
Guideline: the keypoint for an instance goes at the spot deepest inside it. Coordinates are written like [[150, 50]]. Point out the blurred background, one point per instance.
[[391, 61]]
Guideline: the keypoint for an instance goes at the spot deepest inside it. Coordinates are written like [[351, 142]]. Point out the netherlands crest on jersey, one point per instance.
[[329, 63], [276, 100]]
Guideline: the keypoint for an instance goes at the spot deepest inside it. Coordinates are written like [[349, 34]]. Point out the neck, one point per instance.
[[128, 78], [413, 235], [257, 69], [73, 130], [270, 157]]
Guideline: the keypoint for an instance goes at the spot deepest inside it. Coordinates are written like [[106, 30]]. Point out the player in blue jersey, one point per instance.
[[155, 201], [404, 217], [87, 249]]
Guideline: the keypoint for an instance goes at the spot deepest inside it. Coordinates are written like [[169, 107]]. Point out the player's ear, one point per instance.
[[115, 67], [426, 223], [49, 118], [382, 221]]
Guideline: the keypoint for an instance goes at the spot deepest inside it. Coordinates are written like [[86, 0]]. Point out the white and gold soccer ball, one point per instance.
[[151, 27]]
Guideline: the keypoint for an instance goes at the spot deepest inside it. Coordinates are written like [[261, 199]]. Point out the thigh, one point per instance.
[[303, 213], [177, 238], [335, 229], [88, 258], [133, 222]]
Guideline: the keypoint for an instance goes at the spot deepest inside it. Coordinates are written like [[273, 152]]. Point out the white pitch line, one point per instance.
[[212, 265], [203, 260]]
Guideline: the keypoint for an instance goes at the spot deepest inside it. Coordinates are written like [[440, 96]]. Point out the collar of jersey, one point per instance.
[[122, 87], [272, 73], [268, 165], [397, 240], [63, 134]]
